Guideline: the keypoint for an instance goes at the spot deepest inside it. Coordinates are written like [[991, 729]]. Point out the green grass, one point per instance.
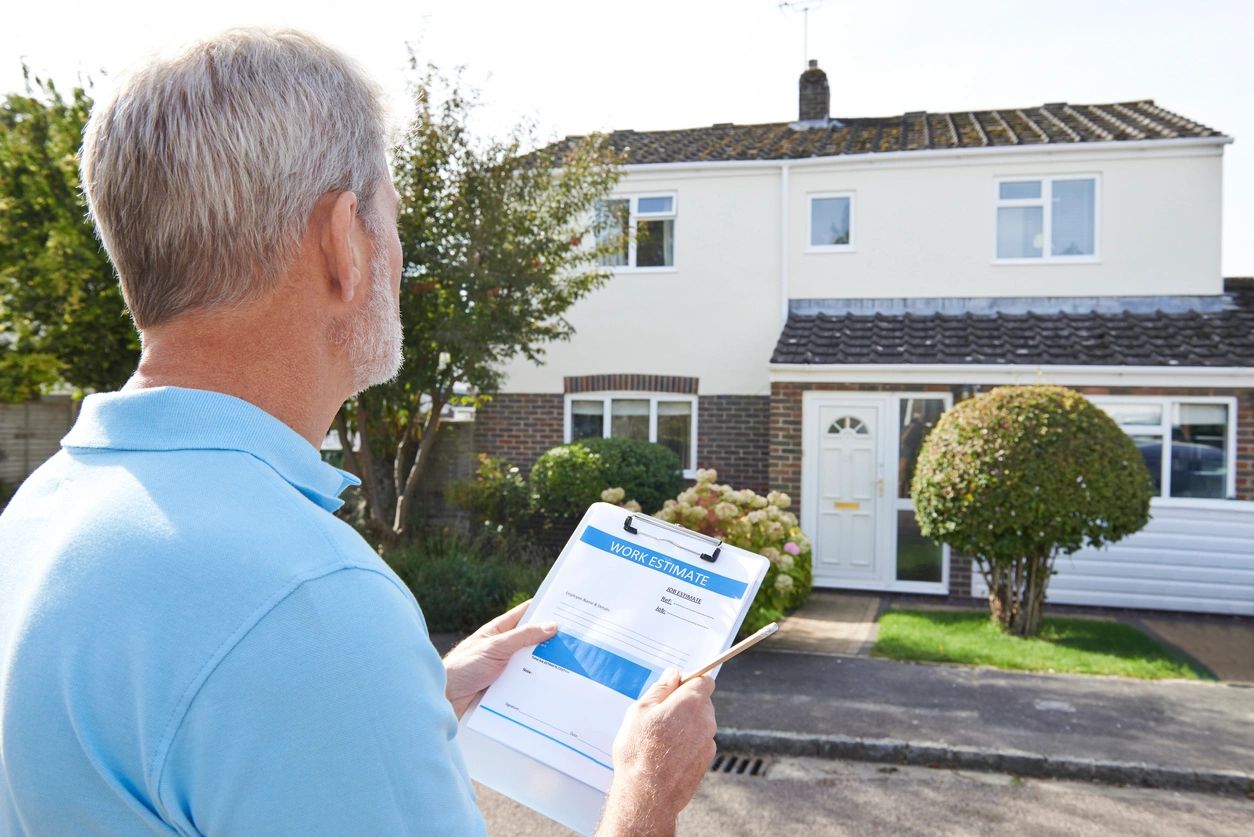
[[1078, 646]]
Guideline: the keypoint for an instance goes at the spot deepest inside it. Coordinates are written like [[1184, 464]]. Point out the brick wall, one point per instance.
[[520, 426], [452, 460], [732, 439]]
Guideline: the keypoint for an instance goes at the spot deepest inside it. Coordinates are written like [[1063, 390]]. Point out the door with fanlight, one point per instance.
[[849, 487]]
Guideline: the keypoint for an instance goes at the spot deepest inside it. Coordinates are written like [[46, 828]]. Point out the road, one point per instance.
[[818, 797]]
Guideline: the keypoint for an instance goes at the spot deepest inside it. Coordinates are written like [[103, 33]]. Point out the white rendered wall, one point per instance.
[[929, 230], [716, 316], [925, 226]]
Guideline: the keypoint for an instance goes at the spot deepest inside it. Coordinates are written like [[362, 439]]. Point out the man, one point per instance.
[[190, 642]]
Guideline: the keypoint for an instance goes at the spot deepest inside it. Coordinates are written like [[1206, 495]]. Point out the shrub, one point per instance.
[[649, 473], [497, 496], [1018, 475], [566, 480], [463, 582], [758, 524]]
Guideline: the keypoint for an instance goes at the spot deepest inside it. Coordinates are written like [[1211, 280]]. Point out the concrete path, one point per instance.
[[830, 622], [1225, 645], [1180, 725]]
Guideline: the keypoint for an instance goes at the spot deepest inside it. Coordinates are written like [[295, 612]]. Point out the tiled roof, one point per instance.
[[1051, 124], [1212, 334]]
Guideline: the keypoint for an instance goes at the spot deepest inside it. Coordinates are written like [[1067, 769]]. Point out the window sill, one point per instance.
[[1072, 260], [834, 249], [620, 270]]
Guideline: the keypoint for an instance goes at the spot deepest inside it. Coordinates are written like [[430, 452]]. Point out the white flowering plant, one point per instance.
[[759, 524]]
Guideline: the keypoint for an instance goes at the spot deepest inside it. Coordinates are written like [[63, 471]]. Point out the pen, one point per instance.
[[743, 645]]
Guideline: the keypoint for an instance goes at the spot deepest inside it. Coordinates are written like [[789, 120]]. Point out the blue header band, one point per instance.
[[696, 576]]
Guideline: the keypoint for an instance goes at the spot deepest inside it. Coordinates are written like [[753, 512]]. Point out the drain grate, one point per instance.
[[737, 765]]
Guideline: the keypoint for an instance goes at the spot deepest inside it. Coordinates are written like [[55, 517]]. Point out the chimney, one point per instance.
[[814, 96]]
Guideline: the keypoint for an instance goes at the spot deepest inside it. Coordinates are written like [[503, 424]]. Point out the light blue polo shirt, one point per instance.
[[191, 643]]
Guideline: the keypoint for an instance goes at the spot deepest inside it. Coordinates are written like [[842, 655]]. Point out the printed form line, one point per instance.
[[544, 735]]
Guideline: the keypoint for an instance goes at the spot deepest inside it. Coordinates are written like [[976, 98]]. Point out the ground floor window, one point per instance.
[[1188, 443], [654, 417]]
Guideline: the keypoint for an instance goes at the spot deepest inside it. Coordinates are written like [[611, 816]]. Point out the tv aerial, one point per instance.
[[803, 6]]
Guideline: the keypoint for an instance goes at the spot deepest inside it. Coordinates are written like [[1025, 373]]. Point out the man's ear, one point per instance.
[[347, 262]]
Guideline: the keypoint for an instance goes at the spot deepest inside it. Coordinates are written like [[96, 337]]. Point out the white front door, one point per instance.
[[849, 487]]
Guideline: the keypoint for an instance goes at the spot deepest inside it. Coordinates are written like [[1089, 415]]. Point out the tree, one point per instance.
[[499, 242], [62, 317], [1019, 475]]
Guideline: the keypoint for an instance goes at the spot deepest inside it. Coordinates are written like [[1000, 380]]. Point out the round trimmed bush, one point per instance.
[[1018, 475], [567, 479], [648, 473]]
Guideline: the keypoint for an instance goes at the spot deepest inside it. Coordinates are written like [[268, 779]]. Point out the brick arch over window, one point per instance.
[[631, 382]]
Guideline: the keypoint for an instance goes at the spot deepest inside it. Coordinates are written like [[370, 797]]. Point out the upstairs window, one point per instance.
[[1047, 219], [641, 229], [831, 223], [663, 418]]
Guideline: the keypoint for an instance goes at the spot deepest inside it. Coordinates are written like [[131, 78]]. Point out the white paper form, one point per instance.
[[627, 607]]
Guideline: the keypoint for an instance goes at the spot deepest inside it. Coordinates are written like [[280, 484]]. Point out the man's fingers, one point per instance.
[[703, 685], [662, 688], [506, 621], [519, 638]]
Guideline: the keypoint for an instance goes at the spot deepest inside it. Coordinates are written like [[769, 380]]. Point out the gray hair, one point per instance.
[[202, 170]]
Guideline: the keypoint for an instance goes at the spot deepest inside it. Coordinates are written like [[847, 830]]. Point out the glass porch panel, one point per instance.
[[587, 420], [1020, 232], [629, 418], [916, 418], [918, 558], [674, 429], [1199, 451], [655, 243]]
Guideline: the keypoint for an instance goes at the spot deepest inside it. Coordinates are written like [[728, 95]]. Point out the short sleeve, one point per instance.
[[328, 717]]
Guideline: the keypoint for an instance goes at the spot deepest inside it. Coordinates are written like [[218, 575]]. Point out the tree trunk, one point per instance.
[[1016, 593], [405, 492], [376, 513]]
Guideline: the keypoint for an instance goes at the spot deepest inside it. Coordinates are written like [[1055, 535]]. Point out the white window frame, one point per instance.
[[606, 397], [851, 247], [1046, 202], [1167, 403], [634, 215]]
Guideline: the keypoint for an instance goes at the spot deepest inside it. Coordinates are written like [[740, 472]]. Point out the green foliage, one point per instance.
[[647, 472], [1018, 475], [62, 316], [497, 496], [757, 524], [1081, 646], [566, 480], [463, 582], [499, 242]]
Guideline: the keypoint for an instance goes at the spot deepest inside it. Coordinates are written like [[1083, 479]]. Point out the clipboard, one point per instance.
[[656, 547]]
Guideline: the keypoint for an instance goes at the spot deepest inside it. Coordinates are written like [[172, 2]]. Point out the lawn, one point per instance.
[[1078, 646]]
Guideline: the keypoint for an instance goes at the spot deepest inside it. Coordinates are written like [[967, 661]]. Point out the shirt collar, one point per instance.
[[174, 418]]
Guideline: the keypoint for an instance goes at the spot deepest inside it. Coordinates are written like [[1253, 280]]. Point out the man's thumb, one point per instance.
[[661, 689]]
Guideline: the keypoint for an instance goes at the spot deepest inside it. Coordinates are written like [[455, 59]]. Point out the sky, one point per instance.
[[589, 65]]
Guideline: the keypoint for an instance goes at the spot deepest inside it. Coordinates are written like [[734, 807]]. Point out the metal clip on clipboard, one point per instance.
[[633, 521]]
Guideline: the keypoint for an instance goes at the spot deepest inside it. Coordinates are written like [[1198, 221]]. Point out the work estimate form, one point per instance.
[[625, 612]]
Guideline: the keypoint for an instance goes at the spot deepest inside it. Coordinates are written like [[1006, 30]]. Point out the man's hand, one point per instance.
[[662, 751], [480, 658]]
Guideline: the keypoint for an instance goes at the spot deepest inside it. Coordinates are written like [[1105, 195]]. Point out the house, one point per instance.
[[800, 301]]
